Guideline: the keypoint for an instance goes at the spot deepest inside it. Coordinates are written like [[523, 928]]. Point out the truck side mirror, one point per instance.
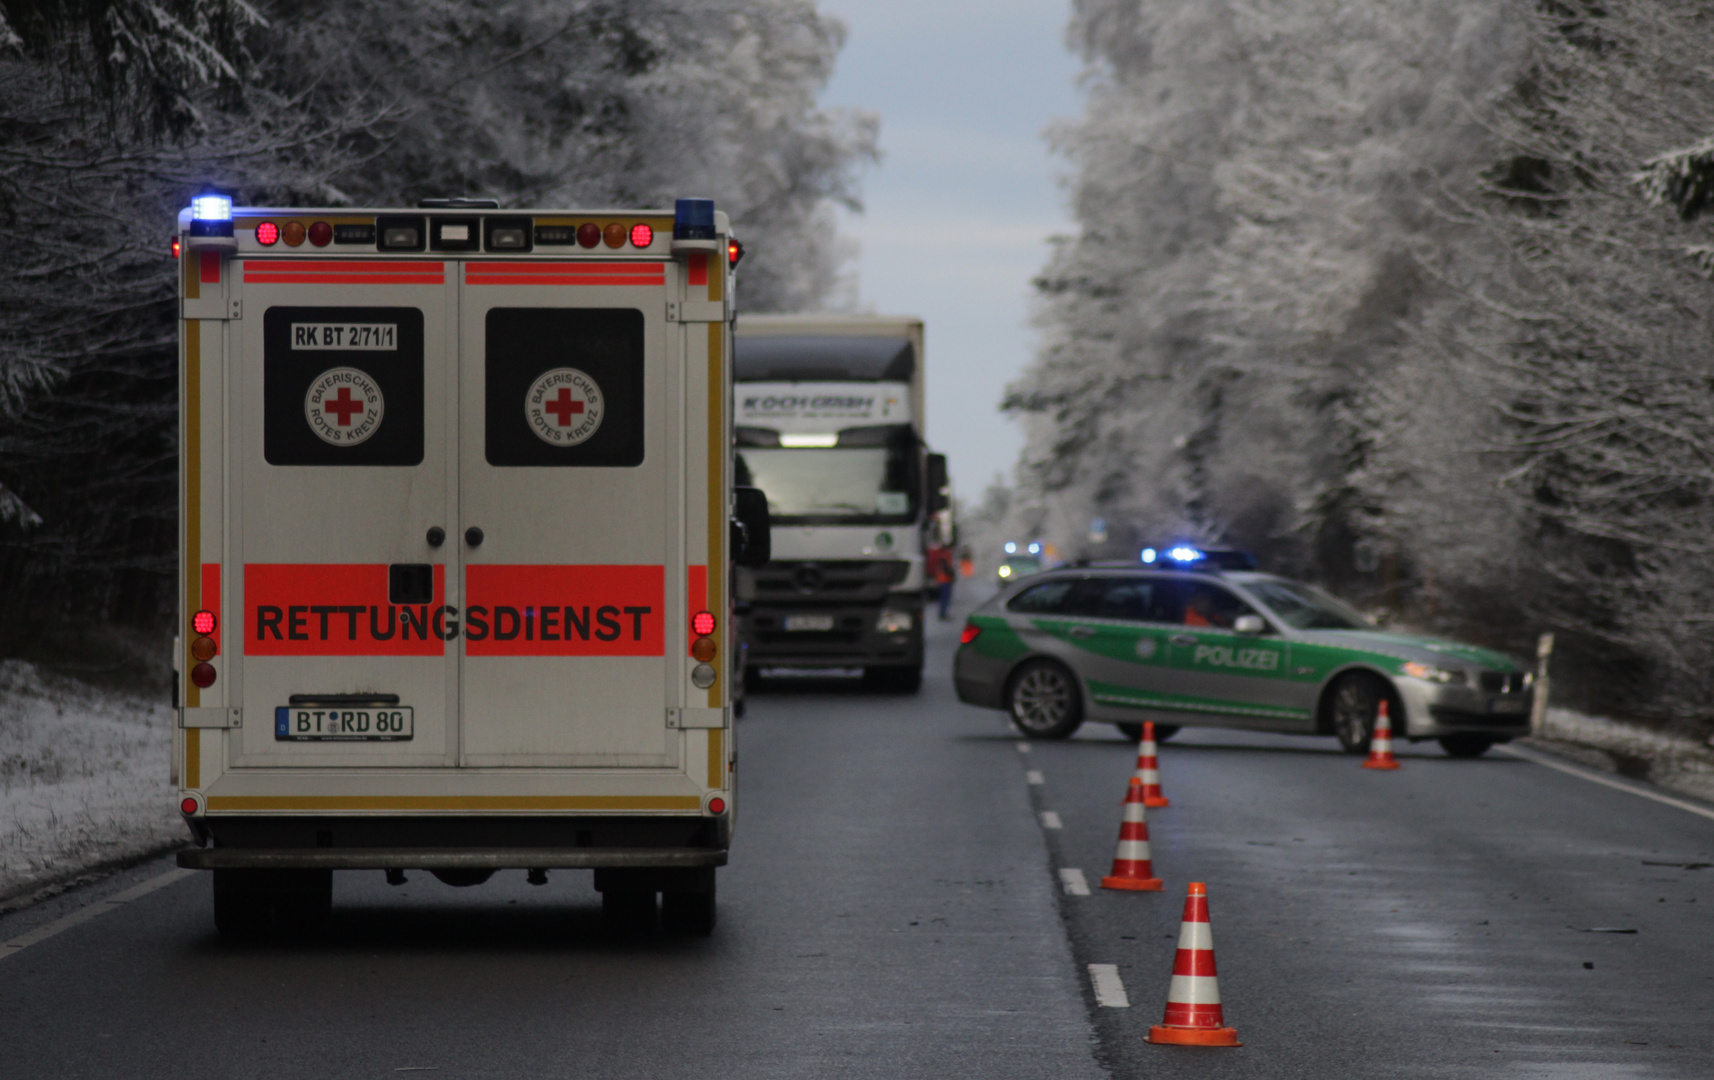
[[939, 489], [750, 514]]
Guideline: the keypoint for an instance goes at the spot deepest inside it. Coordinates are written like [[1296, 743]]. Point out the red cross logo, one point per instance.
[[345, 406], [563, 408]]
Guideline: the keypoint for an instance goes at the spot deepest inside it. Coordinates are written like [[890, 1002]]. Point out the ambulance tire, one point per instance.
[[628, 912], [255, 905], [893, 680], [690, 914]]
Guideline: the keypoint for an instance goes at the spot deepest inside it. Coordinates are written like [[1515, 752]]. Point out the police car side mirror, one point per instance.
[[1249, 624], [750, 513]]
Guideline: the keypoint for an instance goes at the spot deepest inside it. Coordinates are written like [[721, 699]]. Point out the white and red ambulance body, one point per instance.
[[456, 487]]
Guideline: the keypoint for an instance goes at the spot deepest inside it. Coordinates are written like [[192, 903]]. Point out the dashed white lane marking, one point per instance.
[[1023, 747], [1034, 776], [1050, 820], [84, 914], [1596, 778], [1073, 880], [1109, 991]]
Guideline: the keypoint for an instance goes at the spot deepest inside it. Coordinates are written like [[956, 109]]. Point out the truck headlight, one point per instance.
[[1430, 673], [893, 622]]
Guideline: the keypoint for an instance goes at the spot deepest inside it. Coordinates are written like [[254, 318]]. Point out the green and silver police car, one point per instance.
[[1185, 642]]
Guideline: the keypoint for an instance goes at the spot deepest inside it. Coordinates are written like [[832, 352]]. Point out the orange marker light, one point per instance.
[[293, 233], [613, 235], [703, 649], [204, 648]]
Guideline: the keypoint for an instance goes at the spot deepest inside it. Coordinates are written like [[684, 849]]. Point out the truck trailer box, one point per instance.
[[455, 498]]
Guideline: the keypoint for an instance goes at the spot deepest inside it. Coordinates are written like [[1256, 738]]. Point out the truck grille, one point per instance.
[[845, 580]]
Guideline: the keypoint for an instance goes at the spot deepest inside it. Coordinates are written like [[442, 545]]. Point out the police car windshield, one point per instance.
[[833, 486], [1305, 608]]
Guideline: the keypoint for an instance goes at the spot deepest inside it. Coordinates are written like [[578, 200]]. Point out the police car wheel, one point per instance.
[[1355, 701], [1466, 745], [1043, 701]]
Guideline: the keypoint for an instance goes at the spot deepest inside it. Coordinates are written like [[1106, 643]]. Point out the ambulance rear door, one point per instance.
[[341, 421], [568, 516]]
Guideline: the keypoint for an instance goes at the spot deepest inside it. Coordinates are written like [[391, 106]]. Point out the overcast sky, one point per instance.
[[959, 211]]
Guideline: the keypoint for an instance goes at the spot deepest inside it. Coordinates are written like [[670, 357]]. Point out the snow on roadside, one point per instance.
[[83, 777], [1677, 762]]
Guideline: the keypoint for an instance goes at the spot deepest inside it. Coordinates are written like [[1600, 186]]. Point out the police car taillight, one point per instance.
[[267, 234], [204, 622], [642, 235], [734, 252]]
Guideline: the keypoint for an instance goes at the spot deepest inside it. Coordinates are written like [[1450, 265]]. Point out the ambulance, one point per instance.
[[457, 530]]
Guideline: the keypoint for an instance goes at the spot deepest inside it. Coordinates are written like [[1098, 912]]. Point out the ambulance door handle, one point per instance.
[[473, 536], [436, 536]]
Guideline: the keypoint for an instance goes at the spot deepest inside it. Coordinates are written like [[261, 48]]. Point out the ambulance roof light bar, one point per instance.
[[693, 225], [211, 219]]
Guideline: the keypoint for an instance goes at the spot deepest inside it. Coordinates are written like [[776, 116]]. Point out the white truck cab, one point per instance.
[[456, 506]]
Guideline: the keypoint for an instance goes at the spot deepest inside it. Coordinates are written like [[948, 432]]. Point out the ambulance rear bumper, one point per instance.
[[513, 858]]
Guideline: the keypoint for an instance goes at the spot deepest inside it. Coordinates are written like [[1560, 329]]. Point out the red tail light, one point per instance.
[[702, 623], [203, 675], [175, 247], [734, 252], [267, 234], [642, 235], [717, 805], [188, 807], [204, 622], [969, 634]]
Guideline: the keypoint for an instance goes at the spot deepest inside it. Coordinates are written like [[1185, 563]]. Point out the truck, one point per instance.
[[456, 519], [828, 415]]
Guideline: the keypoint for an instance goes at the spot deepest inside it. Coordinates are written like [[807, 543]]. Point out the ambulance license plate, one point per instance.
[[809, 622], [390, 723], [1508, 706]]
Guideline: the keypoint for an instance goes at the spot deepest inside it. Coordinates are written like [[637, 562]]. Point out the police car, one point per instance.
[[1199, 638]]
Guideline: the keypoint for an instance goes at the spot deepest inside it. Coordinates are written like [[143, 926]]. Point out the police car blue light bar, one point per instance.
[[1149, 555], [1011, 548], [1183, 553], [1035, 549]]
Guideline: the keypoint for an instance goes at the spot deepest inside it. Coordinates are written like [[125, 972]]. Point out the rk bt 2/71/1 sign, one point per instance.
[[342, 386]]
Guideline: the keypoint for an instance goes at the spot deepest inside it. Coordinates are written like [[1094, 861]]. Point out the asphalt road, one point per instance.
[[893, 909]]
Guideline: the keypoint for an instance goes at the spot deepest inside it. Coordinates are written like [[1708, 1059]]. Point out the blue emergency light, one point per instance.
[[693, 219], [211, 214], [1148, 555], [1035, 549], [1185, 554], [1011, 548]]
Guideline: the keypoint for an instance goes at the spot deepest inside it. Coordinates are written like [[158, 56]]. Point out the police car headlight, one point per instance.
[[893, 622], [1430, 673]]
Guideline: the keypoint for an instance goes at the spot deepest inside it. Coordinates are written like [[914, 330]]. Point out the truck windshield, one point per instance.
[[836, 486]]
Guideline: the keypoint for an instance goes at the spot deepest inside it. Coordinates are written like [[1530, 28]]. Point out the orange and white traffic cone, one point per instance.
[[1132, 867], [1193, 1016], [1381, 743], [1149, 769]]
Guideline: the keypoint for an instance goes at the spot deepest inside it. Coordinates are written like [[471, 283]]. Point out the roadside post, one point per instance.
[[1538, 704]]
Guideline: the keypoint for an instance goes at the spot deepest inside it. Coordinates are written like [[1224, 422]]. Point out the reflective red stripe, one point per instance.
[[1196, 908], [1178, 1015], [1194, 962], [1133, 830]]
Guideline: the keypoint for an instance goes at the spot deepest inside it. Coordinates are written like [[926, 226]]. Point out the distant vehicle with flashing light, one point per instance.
[[1019, 564], [1182, 640]]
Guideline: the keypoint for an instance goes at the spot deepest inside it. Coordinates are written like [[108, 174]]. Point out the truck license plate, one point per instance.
[[1508, 706], [809, 622], [391, 723]]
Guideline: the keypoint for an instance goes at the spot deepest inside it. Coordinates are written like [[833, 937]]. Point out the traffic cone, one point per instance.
[[1149, 769], [1132, 868], [1381, 743], [1193, 1016]]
